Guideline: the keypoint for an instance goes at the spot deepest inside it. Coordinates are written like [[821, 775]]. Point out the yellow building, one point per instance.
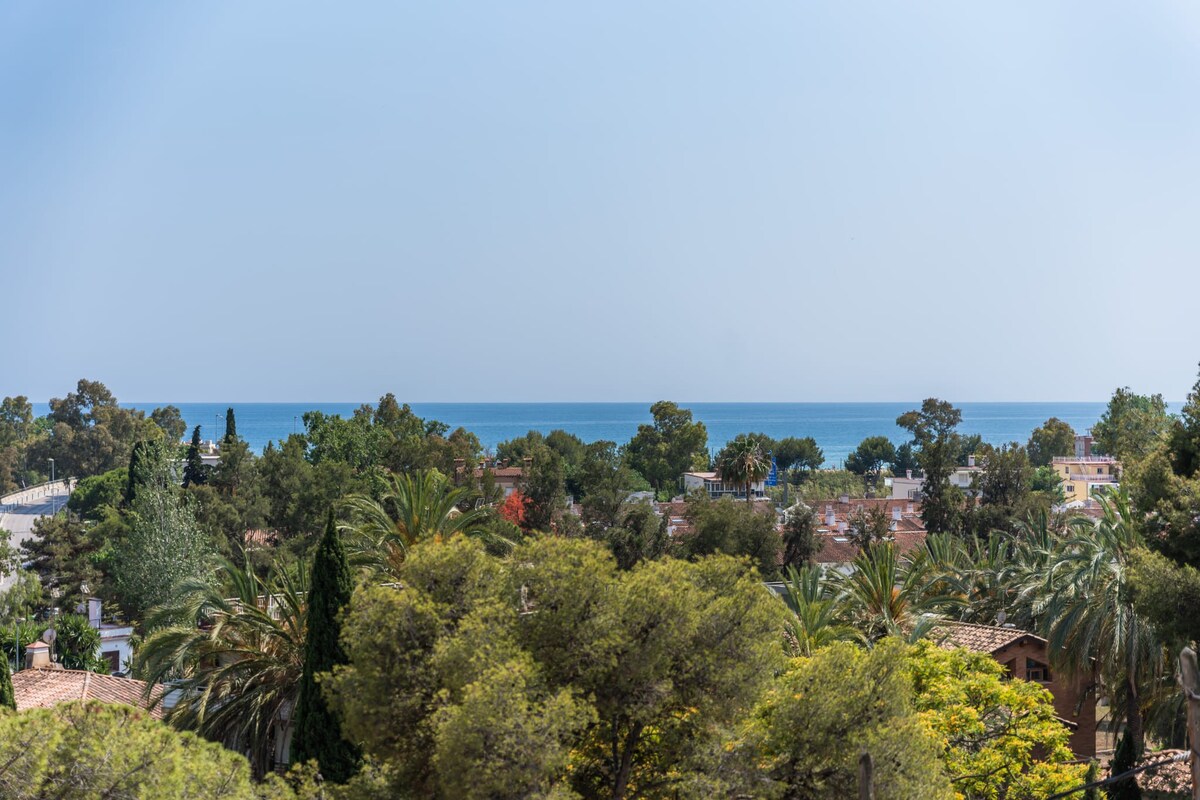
[[1083, 472]]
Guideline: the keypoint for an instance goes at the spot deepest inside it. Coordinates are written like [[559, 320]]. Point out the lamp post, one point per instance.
[[53, 498]]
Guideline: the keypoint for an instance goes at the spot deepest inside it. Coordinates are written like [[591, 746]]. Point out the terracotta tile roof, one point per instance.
[[979, 638], [502, 472], [675, 513], [678, 523], [837, 548], [43, 688], [257, 537], [1174, 779]]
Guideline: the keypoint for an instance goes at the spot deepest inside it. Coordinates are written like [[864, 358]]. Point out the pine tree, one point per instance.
[[1124, 759], [230, 426], [318, 732], [194, 472], [7, 697]]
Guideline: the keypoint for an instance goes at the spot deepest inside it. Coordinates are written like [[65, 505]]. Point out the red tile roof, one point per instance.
[[43, 688], [1173, 779], [257, 537], [838, 548], [980, 638], [502, 472]]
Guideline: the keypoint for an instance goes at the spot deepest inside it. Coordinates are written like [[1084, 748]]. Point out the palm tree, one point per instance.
[[744, 461], [1085, 611], [234, 650], [815, 607], [888, 595], [413, 508]]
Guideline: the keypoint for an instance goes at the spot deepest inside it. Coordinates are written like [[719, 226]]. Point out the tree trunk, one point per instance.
[[1189, 681], [1133, 706], [625, 764], [748, 499], [1133, 713]]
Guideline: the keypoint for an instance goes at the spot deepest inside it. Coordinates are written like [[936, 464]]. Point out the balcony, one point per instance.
[[1083, 478]]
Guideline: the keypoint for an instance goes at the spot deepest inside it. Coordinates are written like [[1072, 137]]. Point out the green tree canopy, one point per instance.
[[732, 528], [93, 494], [673, 444], [7, 698], [870, 456], [170, 421], [638, 674], [164, 546], [828, 709], [1052, 438], [1132, 425], [94, 751], [800, 542], [934, 430], [801, 455]]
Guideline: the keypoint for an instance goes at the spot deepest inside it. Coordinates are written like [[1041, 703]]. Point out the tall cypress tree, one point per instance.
[[230, 426], [318, 733], [137, 466], [194, 472], [8, 698]]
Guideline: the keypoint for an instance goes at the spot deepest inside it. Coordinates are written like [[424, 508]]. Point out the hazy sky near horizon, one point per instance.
[[612, 201]]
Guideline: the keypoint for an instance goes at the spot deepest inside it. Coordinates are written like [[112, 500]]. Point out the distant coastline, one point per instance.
[[837, 427]]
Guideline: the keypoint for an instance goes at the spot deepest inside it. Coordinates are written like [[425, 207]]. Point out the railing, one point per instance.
[[8, 501], [1084, 460]]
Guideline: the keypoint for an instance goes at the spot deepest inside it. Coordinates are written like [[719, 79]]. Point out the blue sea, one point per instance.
[[837, 427]]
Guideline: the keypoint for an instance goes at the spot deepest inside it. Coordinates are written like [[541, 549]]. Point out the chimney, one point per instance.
[[842, 527], [93, 604], [971, 460], [845, 498], [908, 474], [830, 519], [527, 463], [896, 513], [37, 655], [1083, 446]]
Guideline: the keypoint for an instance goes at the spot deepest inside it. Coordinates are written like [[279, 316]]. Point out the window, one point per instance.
[[1036, 671], [1069, 488], [1099, 470]]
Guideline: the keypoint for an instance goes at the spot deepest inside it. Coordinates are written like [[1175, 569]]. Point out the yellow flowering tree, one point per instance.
[[999, 738]]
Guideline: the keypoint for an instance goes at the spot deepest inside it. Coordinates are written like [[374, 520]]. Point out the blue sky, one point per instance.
[[617, 201]]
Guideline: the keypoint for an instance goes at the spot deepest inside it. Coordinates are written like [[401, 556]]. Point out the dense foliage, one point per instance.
[[569, 639]]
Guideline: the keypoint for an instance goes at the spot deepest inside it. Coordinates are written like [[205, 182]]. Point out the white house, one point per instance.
[[711, 482], [115, 646], [907, 487]]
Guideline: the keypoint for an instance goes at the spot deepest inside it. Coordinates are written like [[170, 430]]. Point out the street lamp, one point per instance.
[[53, 498]]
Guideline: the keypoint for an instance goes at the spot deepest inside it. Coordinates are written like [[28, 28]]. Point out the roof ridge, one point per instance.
[[1013, 629]]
